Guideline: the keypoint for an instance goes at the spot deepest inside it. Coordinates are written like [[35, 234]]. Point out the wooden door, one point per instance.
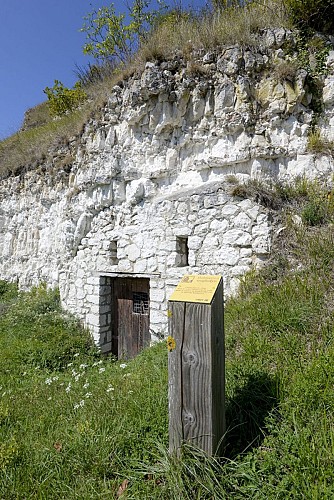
[[131, 316]]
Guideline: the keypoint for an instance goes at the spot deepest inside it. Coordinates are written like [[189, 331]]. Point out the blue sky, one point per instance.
[[40, 41]]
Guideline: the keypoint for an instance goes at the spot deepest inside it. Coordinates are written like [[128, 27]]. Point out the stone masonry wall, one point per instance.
[[149, 191]]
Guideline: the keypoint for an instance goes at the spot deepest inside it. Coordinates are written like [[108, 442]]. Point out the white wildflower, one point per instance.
[[97, 363], [69, 364], [49, 399], [110, 388], [48, 381], [83, 366], [101, 370], [86, 385], [55, 378], [76, 355], [88, 394], [79, 405], [68, 388], [123, 365]]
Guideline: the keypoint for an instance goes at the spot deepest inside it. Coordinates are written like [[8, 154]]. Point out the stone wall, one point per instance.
[[149, 191]]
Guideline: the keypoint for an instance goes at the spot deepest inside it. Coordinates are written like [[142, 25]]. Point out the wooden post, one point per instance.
[[196, 369]]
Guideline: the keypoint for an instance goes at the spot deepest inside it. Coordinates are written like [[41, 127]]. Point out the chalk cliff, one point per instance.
[[147, 190]]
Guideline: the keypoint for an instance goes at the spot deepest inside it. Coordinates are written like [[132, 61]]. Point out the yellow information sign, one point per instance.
[[196, 288]]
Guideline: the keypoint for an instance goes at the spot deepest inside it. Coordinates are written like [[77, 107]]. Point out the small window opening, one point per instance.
[[113, 252], [183, 251], [140, 303]]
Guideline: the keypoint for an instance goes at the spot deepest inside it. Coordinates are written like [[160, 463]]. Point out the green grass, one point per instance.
[[77, 425]]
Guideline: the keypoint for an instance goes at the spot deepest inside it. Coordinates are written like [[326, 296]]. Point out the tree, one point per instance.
[[109, 35]]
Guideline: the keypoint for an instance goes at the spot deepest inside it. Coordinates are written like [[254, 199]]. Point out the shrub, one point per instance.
[[7, 291], [314, 213], [62, 99]]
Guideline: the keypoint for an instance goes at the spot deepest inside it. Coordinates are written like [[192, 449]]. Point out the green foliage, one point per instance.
[[109, 35], [63, 100], [48, 335], [318, 144], [317, 15], [318, 208], [7, 290]]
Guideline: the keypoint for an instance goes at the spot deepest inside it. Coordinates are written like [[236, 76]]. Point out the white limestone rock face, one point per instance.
[[148, 191]]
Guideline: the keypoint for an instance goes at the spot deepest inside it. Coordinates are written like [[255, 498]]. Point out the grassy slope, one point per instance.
[[76, 426]]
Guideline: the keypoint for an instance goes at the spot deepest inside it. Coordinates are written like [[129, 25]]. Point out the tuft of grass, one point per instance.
[[318, 144]]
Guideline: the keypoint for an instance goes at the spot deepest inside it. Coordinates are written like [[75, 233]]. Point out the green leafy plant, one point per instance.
[[63, 100], [7, 290], [314, 213], [109, 35]]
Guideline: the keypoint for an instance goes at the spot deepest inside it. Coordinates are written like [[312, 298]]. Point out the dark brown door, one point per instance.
[[131, 316]]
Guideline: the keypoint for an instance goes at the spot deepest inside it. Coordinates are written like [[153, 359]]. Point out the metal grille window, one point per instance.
[[140, 303]]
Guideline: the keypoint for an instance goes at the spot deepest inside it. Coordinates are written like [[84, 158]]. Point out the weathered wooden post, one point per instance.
[[196, 364]]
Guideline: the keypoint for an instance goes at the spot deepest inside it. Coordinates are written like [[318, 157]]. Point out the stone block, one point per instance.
[[133, 252], [261, 245], [81, 294], [124, 266], [140, 266], [93, 299], [229, 210], [237, 237], [152, 264], [194, 242], [158, 317], [219, 226], [93, 319], [229, 256], [105, 289], [93, 280], [104, 348], [243, 221], [157, 295]]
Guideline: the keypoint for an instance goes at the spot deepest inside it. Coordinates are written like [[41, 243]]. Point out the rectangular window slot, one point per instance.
[[140, 303], [113, 252], [182, 251]]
